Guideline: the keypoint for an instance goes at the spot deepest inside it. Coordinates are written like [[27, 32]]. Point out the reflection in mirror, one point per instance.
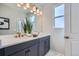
[[19, 25], [16, 16], [32, 19]]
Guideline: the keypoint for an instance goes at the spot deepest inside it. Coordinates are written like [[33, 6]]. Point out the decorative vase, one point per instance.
[[35, 34], [29, 34], [25, 34]]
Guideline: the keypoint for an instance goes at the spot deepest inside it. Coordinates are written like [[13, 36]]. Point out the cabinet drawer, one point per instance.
[[18, 47], [24, 52], [44, 38], [31, 51]]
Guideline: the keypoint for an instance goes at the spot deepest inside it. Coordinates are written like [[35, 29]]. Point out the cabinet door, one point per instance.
[[44, 45], [20, 53], [41, 48], [2, 52], [25, 52], [34, 50], [31, 51]]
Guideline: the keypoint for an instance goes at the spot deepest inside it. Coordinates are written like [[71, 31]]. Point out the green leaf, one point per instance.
[[27, 26]]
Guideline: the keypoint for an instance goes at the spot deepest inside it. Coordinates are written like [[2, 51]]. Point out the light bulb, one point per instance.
[[21, 3], [31, 11], [18, 4], [27, 5], [38, 14], [34, 8], [34, 12], [38, 11], [25, 8]]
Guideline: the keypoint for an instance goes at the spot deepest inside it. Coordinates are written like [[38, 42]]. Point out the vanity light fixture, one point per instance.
[[32, 7]]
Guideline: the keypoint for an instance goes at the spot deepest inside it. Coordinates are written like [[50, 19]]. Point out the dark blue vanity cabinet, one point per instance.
[[31, 51], [44, 45], [36, 47]]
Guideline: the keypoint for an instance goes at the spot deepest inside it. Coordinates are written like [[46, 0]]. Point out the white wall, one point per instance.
[[39, 21], [47, 21], [13, 15]]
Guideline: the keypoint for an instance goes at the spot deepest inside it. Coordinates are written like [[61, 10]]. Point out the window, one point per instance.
[[59, 16]]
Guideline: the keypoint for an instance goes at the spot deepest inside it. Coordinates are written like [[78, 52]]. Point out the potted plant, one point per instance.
[[24, 24], [29, 27]]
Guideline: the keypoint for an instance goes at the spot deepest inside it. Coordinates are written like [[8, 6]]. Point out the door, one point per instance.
[[71, 29]]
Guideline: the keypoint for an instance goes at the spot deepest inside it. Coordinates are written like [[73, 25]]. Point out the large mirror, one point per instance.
[[11, 17]]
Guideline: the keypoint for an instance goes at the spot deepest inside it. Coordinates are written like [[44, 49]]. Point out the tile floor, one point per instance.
[[53, 53]]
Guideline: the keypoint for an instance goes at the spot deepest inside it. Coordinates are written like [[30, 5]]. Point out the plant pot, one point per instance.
[[35, 34], [25, 34], [29, 34]]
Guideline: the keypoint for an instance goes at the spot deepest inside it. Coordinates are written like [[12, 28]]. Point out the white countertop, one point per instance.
[[9, 40]]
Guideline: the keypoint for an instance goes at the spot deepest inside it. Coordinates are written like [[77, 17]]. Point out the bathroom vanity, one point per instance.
[[26, 46]]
